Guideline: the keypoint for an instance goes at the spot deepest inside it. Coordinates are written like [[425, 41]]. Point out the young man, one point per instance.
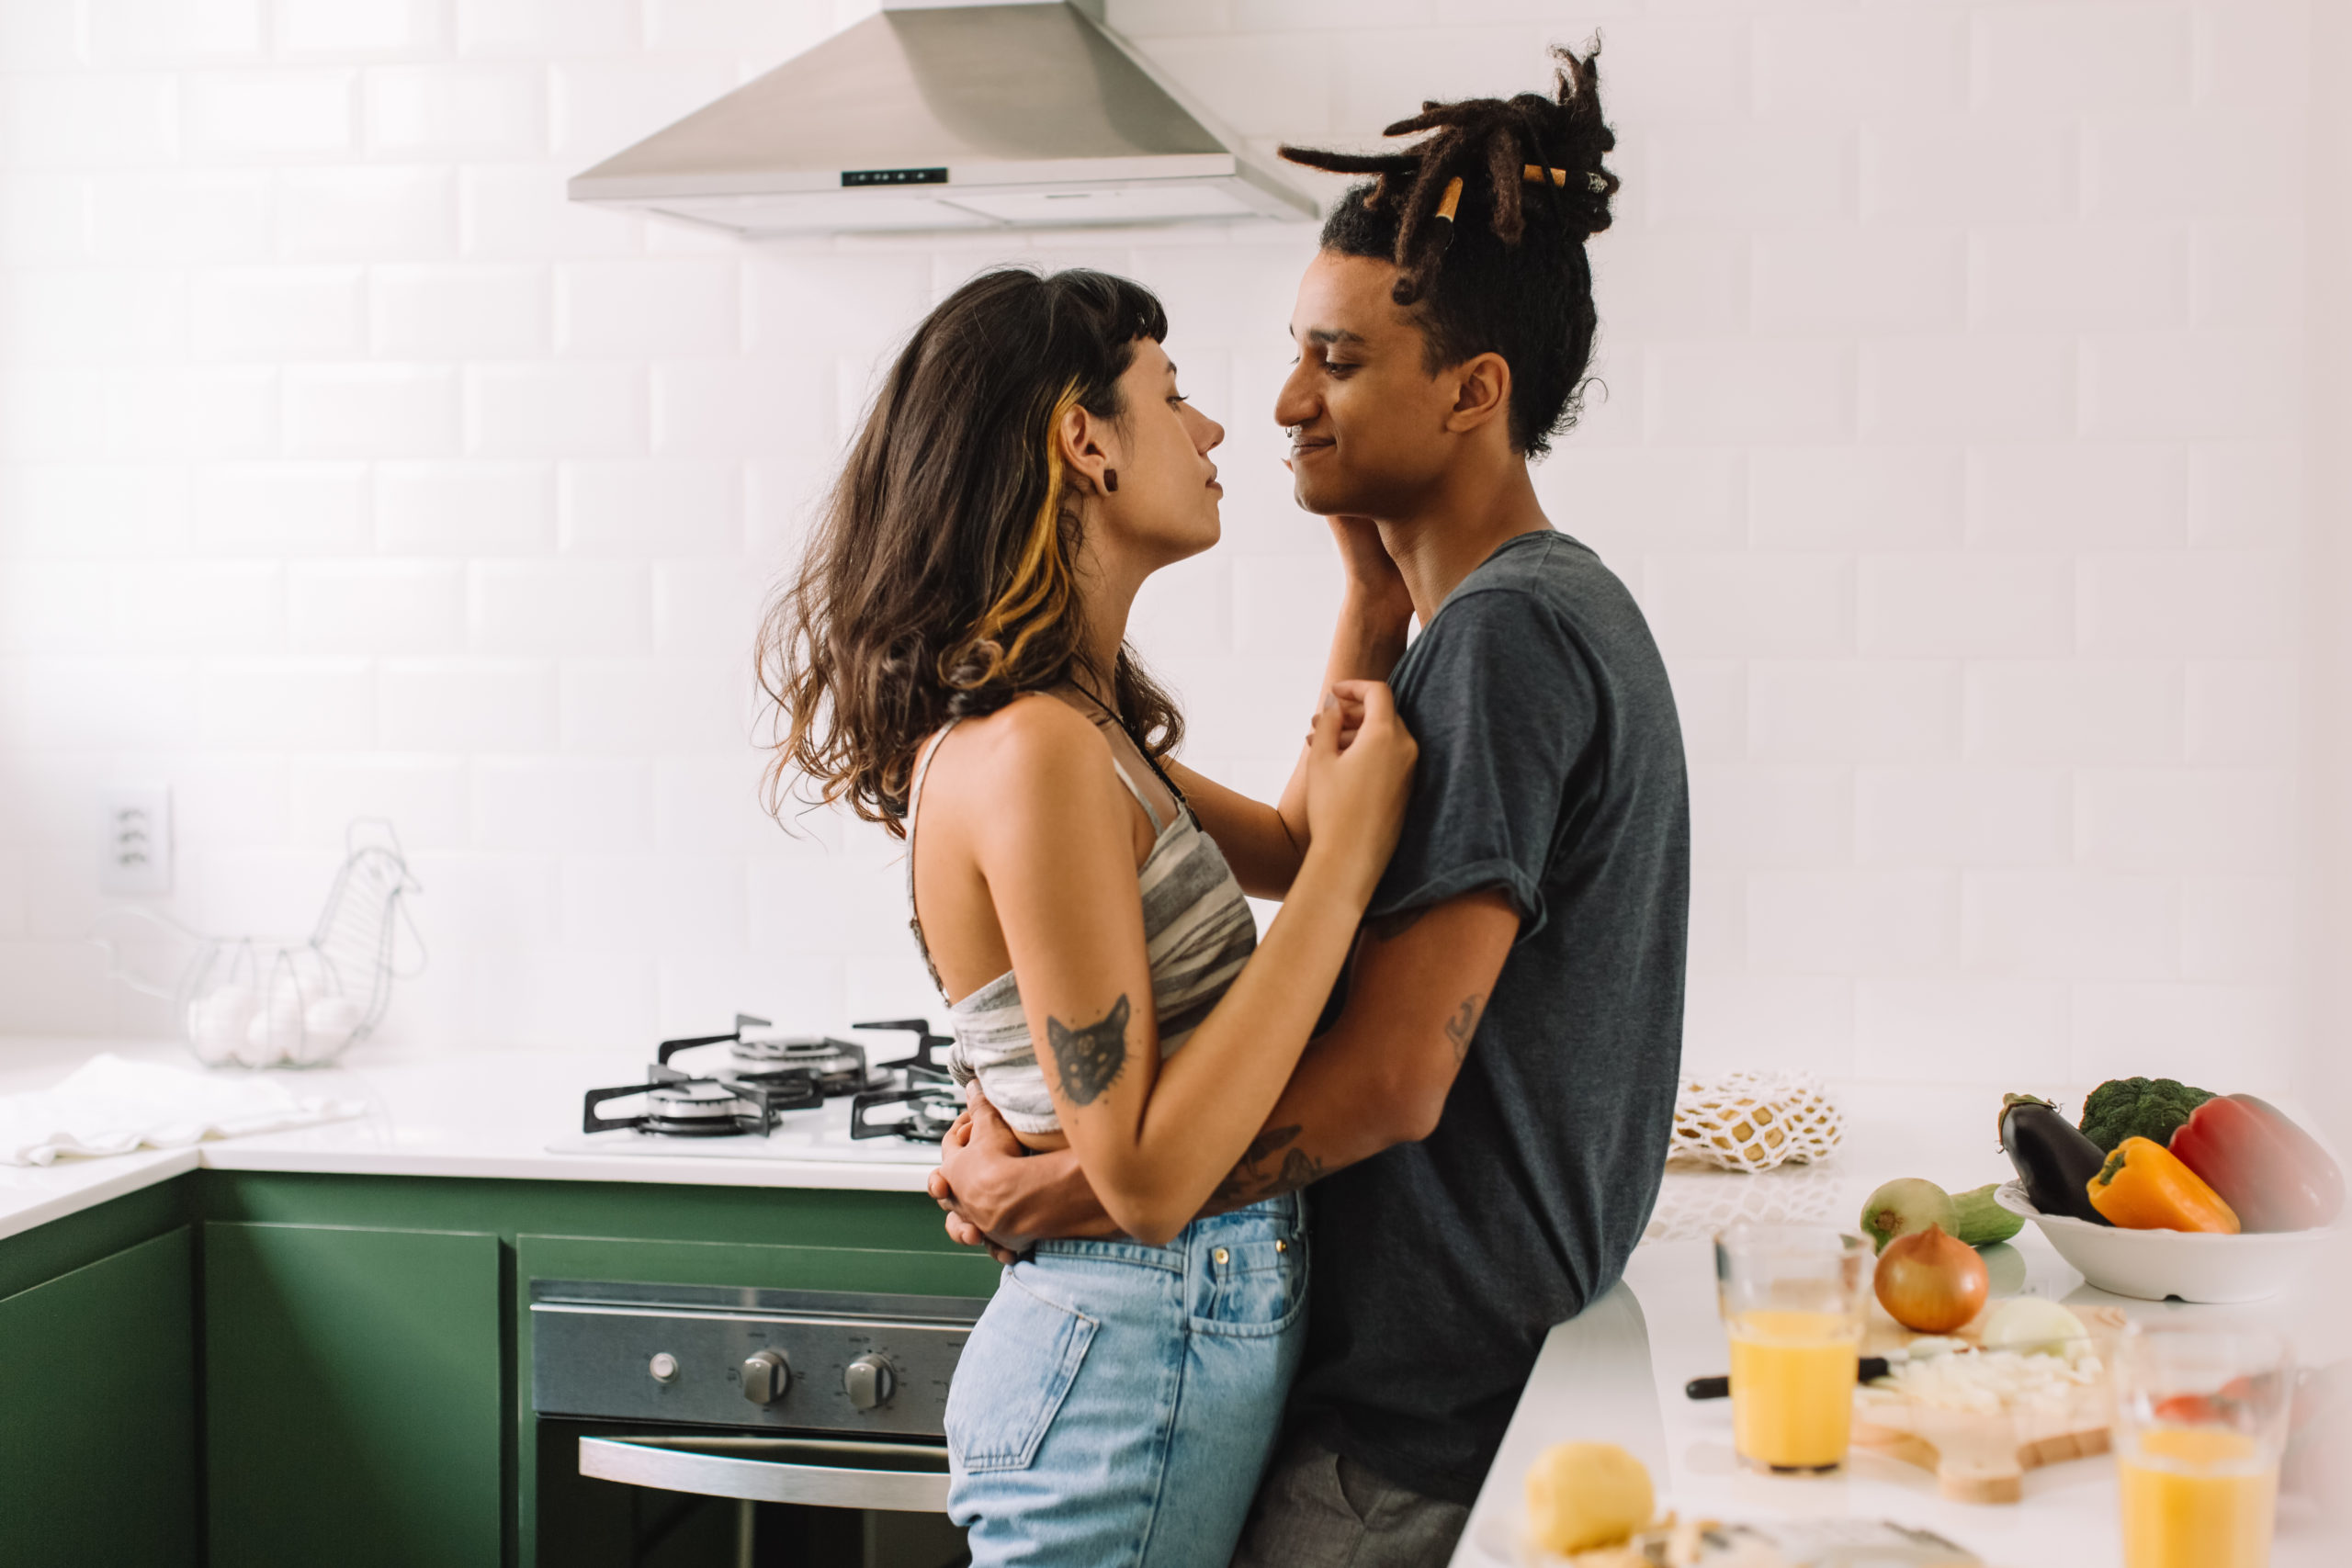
[[1485, 1121]]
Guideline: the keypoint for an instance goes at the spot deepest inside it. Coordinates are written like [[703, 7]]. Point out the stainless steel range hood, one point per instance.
[[941, 114]]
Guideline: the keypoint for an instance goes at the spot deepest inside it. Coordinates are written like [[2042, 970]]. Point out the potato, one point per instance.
[[1580, 1495]]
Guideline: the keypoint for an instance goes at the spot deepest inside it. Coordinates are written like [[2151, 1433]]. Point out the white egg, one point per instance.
[[218, 1020], [276, 1032]]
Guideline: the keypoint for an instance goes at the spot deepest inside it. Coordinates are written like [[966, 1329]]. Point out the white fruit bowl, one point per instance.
[[2155, 1265]]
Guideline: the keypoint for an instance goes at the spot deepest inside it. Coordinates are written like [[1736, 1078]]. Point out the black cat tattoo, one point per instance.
[[1092, 1056]]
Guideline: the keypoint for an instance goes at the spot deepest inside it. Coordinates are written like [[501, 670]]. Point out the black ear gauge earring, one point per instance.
[[1110, 478]]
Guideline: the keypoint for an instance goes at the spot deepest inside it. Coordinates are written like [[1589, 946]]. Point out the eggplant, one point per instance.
[[2053, 1157]]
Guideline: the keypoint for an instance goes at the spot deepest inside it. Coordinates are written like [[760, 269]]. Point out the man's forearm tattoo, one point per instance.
[[1249, 1182], [1236, 1187], [1462, 1025], [1299, 1170], [1089, 1057]]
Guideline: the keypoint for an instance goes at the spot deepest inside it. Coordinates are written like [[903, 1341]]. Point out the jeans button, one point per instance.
[[1222, 1257]]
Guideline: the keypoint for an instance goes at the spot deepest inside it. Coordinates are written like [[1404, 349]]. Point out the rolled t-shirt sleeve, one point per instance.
[[1503, 705]]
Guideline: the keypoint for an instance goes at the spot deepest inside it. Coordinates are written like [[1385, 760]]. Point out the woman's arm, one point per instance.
[[1155, 1138], [1264, 844]]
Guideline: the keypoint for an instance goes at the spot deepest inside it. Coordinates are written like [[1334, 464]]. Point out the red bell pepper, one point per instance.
[[2269, 1171]]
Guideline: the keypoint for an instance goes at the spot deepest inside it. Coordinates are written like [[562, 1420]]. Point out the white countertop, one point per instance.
[[491, 1115], [1615, 1373]]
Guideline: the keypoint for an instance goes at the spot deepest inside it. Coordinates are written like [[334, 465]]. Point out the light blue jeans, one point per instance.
[[1116, 1403]]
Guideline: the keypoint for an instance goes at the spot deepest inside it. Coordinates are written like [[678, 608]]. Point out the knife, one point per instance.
[[1720, 1388]]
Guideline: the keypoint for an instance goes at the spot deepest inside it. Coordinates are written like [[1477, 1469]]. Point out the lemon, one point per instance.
[[1580, 1495]]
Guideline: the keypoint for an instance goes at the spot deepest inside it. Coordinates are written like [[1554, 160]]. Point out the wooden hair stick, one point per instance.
[[1444, 217]]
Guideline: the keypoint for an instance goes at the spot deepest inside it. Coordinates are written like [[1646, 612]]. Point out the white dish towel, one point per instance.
[[111, 1105]]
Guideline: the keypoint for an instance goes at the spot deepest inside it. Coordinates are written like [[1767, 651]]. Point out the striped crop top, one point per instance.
[[1197, 934]]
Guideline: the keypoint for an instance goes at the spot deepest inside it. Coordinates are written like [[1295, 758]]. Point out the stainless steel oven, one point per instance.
[[696, 1426]]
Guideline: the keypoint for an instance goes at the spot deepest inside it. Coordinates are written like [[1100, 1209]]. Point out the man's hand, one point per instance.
[[1001, 1196], [961, 1231], [957, 1156]]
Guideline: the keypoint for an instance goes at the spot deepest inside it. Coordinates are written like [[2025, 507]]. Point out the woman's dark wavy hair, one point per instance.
[[1506, 272], [939, 581]]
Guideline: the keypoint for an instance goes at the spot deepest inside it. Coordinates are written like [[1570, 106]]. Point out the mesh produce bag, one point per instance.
[[1751, 1120]]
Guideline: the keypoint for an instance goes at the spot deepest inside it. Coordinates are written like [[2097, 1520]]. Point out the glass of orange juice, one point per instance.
[[1793, 1299], [2200, 1419]]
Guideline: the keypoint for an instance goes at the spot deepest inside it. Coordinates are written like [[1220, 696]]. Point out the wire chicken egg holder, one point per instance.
[[262, 1001]]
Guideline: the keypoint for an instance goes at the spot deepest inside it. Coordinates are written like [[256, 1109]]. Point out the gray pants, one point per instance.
[[1316, 1509]]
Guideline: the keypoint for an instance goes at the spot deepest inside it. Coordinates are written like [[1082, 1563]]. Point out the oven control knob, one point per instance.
[[766, 1375], [870, 1381]]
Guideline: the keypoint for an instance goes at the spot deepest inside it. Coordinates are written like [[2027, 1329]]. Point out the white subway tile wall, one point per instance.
[[1947, 427]]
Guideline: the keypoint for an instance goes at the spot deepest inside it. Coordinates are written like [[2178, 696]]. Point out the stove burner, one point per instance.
[[680, 1107], [838, 1065], [930, 1111], [693, 1110]]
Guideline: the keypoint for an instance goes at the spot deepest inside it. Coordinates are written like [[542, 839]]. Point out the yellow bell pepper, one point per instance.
[[2144, 1187]]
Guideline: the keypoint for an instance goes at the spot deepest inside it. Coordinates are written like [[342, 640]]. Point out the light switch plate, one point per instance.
[[135, 838]]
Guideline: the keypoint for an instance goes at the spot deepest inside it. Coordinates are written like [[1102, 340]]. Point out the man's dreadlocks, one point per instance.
[[1486, 220]]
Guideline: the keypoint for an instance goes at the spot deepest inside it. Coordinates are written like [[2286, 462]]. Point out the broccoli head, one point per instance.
[[2138, 1107]]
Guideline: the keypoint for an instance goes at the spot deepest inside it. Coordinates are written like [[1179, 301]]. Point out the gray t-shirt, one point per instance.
[[1551, 768]]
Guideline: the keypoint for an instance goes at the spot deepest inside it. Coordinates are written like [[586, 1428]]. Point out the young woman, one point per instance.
[[951, 660]]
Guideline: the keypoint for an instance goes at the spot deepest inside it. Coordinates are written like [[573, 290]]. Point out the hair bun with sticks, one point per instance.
[[1512, 158]]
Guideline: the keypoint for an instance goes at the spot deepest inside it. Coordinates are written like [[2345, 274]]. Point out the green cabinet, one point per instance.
[[98, 1415], [280, 1370], [352, 1410]]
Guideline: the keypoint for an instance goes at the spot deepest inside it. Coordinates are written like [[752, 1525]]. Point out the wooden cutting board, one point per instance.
[[1983, 1458]]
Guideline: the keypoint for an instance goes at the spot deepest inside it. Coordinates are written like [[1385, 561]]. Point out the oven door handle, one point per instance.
[[772, 1470]]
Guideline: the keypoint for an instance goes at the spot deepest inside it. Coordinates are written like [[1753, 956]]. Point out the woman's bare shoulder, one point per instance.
[[1035, 750]]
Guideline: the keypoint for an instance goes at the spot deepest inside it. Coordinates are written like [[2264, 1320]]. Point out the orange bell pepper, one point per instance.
[[2144, 1187]]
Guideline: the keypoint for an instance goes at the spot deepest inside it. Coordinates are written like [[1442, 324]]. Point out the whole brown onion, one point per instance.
[[1931, 1281]]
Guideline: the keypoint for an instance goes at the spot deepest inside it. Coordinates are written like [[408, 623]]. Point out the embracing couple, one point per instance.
[[1447, 1072]]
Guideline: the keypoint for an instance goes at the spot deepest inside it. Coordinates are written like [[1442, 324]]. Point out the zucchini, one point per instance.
[[1982, 1221]]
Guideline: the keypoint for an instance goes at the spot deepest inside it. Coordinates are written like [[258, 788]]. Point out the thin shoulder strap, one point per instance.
[[1141, 799], [914, 798]]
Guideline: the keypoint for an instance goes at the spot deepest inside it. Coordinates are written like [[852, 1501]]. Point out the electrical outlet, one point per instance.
[[135, 840]]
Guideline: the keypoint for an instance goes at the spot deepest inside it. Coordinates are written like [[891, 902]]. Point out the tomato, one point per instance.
[[2187, 1409]]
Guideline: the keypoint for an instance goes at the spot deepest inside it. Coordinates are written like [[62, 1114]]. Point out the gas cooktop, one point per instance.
[[749, 1094]]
